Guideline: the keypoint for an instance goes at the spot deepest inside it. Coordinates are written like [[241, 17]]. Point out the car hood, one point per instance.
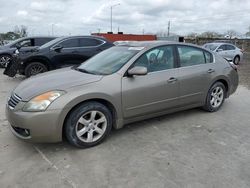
[[61, 79], [4, 47]]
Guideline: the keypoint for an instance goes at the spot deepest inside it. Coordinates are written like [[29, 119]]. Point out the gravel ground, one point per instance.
[[192, 149]]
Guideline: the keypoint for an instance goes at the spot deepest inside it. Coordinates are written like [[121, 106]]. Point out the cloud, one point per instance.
[[37, 6], [22, 13], [131, 16]]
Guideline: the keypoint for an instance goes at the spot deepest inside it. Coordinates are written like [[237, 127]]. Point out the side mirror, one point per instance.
[[57, 48], [219, 50], [18, 46], [137, 70]]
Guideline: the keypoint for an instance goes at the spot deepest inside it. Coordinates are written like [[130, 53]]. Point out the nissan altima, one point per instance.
[[123, 84]]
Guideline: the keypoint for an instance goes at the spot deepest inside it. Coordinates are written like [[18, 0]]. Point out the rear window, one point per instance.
[[230, 47], [190, 56]]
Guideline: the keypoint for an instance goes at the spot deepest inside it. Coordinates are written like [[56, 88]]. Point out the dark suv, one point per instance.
[[27, 44], [61, 52]]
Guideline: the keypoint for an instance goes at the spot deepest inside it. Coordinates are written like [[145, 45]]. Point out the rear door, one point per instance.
[[156, 91], [222, 51], [89, 47], [195, 74], [231, 51]]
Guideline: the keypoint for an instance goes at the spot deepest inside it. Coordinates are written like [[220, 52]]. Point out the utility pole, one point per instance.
[[52, 29], [168, 27], [111, 15]]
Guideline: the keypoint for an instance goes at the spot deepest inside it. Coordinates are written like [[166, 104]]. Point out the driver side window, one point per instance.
[[70, 43], [157, 59]]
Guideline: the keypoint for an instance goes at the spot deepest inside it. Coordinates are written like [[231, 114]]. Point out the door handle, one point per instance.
[[172, 79], [211, 70]]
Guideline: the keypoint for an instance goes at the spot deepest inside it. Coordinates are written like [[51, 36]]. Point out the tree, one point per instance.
[[9, 36], [231, 33], [248, 33], [210, 34], [192, 35], [22, 30]]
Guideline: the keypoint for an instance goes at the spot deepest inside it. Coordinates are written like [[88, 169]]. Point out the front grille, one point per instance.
[[13, 101]]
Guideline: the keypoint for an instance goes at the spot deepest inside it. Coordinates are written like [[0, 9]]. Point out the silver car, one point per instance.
[[227, 51], [120, 85]]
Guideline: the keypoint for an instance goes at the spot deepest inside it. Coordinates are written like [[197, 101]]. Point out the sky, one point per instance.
[[82, 17]]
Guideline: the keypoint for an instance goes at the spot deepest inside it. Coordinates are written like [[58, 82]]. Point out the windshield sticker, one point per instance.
[[135, 48]]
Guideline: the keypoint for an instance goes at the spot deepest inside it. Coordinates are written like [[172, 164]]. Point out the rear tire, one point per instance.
[[215, 97], [34, 68], [236, 60], [88, 125]]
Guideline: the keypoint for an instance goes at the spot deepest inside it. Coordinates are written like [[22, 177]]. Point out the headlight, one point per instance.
[[41, 102], [16, 51]]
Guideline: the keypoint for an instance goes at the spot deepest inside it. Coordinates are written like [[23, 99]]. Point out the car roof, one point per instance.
[[86, 36], [219, 43], [34, 37], [150, 44]]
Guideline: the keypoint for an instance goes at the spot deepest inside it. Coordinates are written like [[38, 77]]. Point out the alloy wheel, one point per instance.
[[91, 126], [36, 69], [4, 60], [217, 97]]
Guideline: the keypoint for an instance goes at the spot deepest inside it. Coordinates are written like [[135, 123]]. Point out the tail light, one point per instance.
[[233, 65]]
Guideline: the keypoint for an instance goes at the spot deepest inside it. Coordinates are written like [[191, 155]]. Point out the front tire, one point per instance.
[[34, 68], [4, 60], [88, 125], [215, 97]]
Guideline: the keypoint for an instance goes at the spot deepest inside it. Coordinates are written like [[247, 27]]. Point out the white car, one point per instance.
[[226, 50]]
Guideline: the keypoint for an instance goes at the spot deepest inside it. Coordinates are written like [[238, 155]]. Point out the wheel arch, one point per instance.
[[103, 101], [6, 53], [42, 60], [224, 81], [237, 55]]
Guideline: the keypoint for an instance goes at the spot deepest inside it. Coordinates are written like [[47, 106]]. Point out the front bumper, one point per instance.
[[41, 127]]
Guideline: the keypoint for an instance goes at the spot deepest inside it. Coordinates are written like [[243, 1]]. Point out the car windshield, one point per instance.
[[211, 47], [48, 44], [109, 61], [14, 42]]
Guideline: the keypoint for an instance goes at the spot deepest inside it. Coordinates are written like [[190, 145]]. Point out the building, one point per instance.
[[125, 37]]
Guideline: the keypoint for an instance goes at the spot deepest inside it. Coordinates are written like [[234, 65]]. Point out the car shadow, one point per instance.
[[126, 130]]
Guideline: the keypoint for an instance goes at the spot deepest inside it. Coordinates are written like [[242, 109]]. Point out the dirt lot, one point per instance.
[[192, 149]]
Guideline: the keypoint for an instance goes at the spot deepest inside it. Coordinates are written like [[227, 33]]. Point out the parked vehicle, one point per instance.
[[120, 85], [61, 52], [226, 50], [27, 43]]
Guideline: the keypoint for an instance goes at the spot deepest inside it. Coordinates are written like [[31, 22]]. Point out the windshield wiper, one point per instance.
[[83, 70]]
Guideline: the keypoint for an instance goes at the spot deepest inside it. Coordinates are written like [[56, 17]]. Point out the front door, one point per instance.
[[156, 91], [68, 55]]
